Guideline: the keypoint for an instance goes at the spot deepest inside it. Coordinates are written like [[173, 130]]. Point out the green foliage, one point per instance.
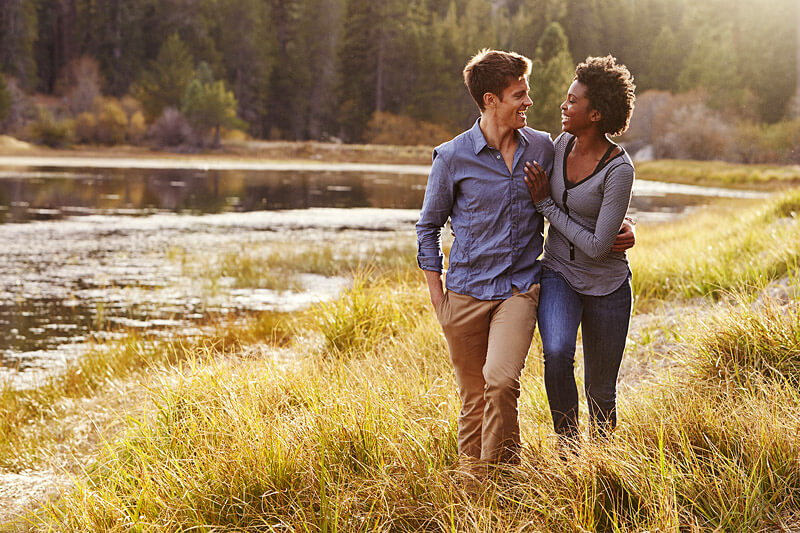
[[18, 32], [667, 55], [165, 81], [357, 58], [209, 105], [112, 122], [316, 69], [553, 71], [5, 99], [712, 66], [49, 131]]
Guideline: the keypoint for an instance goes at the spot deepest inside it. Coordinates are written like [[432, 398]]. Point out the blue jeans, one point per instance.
[[604, 321]]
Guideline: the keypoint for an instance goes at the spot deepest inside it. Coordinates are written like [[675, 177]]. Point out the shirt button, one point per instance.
[[498, 157]]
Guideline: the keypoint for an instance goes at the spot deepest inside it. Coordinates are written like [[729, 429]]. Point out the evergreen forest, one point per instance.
[[723, 73]]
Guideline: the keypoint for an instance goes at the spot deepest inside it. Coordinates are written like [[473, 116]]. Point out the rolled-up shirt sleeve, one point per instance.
[[436, 208]]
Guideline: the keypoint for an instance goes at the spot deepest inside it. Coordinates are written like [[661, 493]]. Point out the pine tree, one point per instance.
[[249, 52], [18, 32], [712, 66], [209, 105], [164, 83], [5, 99], [553, 72], [665, 63], [357, 68], [117, 33]]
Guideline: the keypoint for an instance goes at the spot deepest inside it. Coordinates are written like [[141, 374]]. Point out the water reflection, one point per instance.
[[43, 194], [65, 279], [69, 281], [40, 195]]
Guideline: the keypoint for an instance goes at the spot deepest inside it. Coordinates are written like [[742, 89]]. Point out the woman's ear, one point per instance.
[[594, 115]]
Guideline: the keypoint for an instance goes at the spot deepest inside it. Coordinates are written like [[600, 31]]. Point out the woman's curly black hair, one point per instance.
[[610, 89]]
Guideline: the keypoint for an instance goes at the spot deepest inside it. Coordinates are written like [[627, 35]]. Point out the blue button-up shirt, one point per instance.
[[498, 232]]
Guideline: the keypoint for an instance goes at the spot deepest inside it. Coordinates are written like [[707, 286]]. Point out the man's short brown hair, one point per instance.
[[492, 71]]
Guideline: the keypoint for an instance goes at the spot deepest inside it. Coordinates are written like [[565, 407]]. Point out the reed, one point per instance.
[[721, 249], [279, 266], [368, 443], [357, 433]]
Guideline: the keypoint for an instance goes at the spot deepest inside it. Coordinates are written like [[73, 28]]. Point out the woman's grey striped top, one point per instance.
[[581, 234]]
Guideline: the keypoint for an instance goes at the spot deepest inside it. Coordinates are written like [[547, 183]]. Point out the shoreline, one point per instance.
[[304, 155]]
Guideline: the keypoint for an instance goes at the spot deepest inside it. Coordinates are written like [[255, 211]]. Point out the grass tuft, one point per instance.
[[747, 344], [358, 433], [717, 251]]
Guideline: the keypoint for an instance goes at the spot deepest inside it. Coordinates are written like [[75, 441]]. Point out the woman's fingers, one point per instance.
[[536, 180]]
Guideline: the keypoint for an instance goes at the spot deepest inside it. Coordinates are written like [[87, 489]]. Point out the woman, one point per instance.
[[585, 282]]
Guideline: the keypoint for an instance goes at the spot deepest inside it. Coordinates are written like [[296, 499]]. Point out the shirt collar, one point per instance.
[[479, 141]]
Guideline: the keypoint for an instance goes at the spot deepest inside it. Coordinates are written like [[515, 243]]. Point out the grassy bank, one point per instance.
[[732, 246], [260, 150], [720, 174], [357, 431]]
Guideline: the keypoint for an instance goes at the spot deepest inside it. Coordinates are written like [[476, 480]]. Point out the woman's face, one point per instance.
[[576, 111]]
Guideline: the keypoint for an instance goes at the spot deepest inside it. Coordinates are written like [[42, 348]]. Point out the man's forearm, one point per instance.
[[435, 287]]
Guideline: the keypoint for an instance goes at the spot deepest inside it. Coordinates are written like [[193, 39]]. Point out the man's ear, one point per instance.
[[489, 99]]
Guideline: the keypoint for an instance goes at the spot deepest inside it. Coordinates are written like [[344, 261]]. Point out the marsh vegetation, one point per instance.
[[342, 416]]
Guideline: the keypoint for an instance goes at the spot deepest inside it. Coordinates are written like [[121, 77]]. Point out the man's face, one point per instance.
[[510, 110]]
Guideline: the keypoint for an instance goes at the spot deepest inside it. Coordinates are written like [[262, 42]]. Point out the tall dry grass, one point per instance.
[[358, 433], [728, 247]]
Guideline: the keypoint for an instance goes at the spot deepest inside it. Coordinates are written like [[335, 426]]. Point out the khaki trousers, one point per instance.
[[489, 341]]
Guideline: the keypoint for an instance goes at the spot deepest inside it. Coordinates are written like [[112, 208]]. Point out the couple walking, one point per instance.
[[496, 182]]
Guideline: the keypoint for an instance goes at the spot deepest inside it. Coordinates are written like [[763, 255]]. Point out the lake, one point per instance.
[[95, 248]]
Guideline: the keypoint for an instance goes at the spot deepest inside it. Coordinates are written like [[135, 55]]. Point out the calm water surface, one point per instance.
[[90, 252]]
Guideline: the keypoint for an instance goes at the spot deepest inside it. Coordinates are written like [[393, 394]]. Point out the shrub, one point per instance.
[[112, 123], [85, 128], [388, 128], [49, 131], [171, 129], [131, 105], [686, 128], [137, 128], [781, 142], [746, 146], [21, 110], [648, 105]]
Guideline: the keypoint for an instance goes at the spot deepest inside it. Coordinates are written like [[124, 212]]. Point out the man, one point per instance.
[[488, 313]]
